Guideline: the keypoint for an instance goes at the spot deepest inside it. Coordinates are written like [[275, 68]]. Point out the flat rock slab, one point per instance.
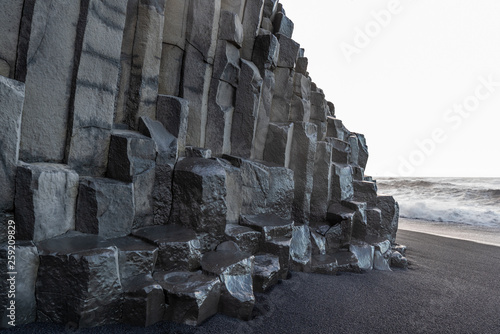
[[178, 246], [266, 272], [135, 256], [332, 264], [270, 225], [337, 213], [143, 301], [281, 248], [192, 297], [78, 280]]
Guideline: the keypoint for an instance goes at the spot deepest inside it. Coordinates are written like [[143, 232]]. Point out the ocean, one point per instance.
[[453, 202]]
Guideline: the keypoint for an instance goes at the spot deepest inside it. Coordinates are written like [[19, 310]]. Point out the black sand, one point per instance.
[[452, 286]]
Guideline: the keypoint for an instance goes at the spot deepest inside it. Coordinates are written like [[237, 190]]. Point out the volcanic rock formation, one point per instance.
[[164, 159]]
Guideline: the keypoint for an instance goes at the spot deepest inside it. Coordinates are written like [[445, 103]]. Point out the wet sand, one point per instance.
[[452, 286]]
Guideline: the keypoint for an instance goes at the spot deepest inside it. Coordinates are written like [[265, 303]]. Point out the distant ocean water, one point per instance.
[[470, 201]]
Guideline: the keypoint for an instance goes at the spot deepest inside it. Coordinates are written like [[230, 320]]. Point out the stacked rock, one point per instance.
[[164, 159]]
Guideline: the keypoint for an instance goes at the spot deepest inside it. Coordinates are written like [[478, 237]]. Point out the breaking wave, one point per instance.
[[472, 201]]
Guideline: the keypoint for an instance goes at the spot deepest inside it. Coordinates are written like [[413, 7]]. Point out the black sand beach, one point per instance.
[[452, 286]]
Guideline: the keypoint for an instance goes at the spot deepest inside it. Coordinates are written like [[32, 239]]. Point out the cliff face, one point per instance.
[[164, 159]]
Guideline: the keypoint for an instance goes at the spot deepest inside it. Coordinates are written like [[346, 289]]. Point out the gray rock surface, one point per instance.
[[246, 110], [136, 257], [364, 253], [234, 269], [301, 248], [146, 61], [342, 182], [143, 301], [178, 246], [173, 112], [251, 18], [52, 40], [10, 21], [322, 182], [302, 163], [265, 272], [11, 104], [271, 226], [78, 281], [45, 200], [279, 143], [95, 88], [199, 194], [105, 207], [390, 216], [192, 297], [246, 238], [21, 283]]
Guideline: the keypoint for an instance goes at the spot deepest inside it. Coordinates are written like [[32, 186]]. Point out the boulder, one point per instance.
[[339, 235], [11, 104], [364, 253], [302, 163], [246, 238], [199, 199], [105, 207], [359, 221], [280, 247], [271, 226], [18, 279], [135, 256], [192, 297], [178, 246], [45, 200], [301, 248], [265, 272], [234, 269], [198, 152], [78, 281], [143, 301], [398, 260], [336, 129]]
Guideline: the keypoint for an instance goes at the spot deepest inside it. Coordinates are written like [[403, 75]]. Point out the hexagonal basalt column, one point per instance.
[[234, 268], [191, 296], [78, 281], [199, 199], [178, 246]]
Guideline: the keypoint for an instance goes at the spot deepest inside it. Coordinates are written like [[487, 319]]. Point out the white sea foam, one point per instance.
[[471, 201]]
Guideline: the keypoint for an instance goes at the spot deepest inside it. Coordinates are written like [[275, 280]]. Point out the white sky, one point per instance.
[[401, 85]]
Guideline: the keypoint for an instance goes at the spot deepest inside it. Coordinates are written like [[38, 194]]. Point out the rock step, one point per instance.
[[245, 237], [178, 246], [192, 297], [332, 264], [234, 268], [266, 272], [271, 226]]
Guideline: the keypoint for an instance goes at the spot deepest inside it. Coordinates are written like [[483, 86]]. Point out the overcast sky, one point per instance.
[[420, 78]]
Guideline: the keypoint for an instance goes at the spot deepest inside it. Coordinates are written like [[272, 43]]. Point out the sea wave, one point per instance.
[[463, 215], [474, 201]]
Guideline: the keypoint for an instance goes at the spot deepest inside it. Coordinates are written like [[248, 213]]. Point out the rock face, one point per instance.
[[162, 160]]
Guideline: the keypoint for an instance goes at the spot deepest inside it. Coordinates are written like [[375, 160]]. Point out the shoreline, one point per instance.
[[481, 235]]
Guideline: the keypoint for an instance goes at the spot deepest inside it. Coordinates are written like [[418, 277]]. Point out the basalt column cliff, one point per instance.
[[165, 159]]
